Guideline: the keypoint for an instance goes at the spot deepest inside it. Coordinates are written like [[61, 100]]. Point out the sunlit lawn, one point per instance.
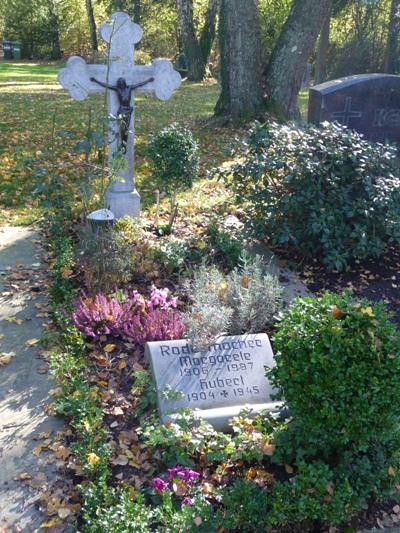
[[34, 110]]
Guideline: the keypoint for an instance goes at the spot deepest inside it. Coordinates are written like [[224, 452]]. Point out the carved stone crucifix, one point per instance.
[[120, 78]]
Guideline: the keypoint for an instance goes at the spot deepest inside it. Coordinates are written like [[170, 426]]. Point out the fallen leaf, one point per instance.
[[63, 512], [289, 469], [32, 342], [13, 320], [121, 460], [267, 449], [5, 358], [24, 476], [108, 348], [391, 471], [116, 411], [51, 523]]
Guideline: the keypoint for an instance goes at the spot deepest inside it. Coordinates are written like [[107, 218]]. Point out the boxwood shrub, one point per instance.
[[338, 369], [326, 190]]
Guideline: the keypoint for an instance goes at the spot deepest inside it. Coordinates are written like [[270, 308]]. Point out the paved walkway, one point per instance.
[[24, 382]]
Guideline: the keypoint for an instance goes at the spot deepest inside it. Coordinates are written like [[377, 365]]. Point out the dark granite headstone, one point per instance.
[[367, 103]]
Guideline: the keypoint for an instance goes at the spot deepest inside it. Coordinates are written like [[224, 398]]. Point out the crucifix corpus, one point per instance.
[[121, 78]]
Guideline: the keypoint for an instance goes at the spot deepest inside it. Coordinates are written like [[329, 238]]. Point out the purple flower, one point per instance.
[[187, 501], [187, 475], [159, 484]]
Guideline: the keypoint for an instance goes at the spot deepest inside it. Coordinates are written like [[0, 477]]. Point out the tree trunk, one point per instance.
[[393, 38], [322, 51], [194, 57], [54, 32], [208, 32], [137, 11], [92, 25], [291, 53], [240, 46]]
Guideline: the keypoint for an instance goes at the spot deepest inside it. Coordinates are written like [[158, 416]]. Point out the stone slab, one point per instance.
[[367, 103], [217, 383]]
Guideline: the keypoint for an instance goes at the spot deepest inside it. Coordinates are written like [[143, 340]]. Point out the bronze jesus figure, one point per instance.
[[125, 109]]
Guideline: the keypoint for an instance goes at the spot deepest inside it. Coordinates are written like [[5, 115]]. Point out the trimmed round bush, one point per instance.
[[174, 159], [338, 369], [326, 191]]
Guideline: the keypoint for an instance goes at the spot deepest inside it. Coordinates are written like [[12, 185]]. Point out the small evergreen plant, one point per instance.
[[174, 160]]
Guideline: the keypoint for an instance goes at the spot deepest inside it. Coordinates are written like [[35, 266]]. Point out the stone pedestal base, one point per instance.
[[123, 203]]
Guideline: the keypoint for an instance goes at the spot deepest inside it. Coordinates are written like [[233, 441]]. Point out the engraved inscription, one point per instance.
[[230, 372], [344, 117], [386, 118]]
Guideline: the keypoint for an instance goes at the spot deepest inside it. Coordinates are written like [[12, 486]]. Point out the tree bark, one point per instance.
[[208, 32], [393, 38], [240, 45], [54, 31], [322, 51], [194, 57], [92, 25], [291, 53]]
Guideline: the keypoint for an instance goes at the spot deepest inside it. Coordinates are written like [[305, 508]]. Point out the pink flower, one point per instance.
[[135, 317], [187, 475], [187, 501], [159, 485]]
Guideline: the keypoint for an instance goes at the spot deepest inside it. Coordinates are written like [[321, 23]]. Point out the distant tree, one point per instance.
[[322, 51], [291, 53], [240, 46], [54, 28], [191, 45], [92, 25], [392, 48], [197, 49]]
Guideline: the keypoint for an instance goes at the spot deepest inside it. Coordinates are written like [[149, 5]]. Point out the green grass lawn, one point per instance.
[[28, 72], [40, 125]]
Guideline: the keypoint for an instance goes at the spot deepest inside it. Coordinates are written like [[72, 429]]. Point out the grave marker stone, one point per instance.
[[120, 78], [217, 383], [367, 103]]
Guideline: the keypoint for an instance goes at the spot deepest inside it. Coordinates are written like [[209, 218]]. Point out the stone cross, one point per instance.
[[81, 79]]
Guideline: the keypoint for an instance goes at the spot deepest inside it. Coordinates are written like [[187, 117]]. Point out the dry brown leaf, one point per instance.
[[63, 512], [116, 411], [50, 523], [24, 476], [121, 460], [108, 348], [267, 448], [32, 342], [289, 469]]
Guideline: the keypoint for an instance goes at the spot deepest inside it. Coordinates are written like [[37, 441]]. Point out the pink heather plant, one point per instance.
[[100, 315], [134, 317], [154, 325]]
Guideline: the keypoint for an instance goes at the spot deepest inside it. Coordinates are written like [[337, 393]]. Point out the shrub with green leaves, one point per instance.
[[174, 161], [338, 369], [326, 191]]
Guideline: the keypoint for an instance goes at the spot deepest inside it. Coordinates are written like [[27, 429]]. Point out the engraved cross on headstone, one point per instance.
[[81, 79], [344, 116]]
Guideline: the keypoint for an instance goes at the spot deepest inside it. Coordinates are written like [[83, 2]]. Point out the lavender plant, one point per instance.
[[245, 301]]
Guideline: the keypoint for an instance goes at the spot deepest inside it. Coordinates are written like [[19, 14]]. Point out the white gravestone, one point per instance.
[[217, 383], [122, 34]]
